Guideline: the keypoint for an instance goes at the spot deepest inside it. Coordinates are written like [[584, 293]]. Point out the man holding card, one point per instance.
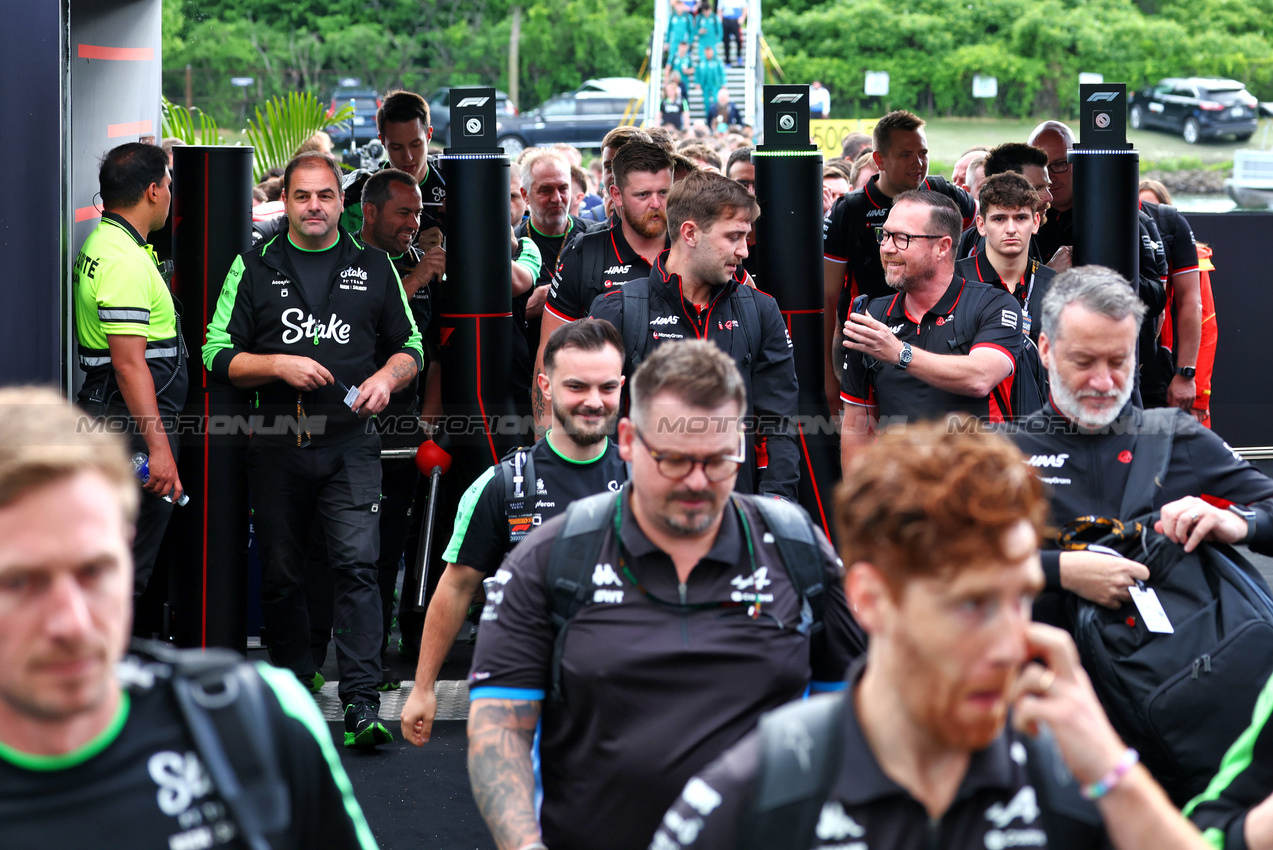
[[1083, 443], [300, 321]]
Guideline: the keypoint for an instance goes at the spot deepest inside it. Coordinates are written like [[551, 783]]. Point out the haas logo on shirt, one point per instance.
[[311, 328]]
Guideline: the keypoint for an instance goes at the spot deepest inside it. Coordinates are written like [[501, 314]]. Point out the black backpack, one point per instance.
[[588, 522], [1029, 389], [1181, 699], [222, 701], [801, 753]]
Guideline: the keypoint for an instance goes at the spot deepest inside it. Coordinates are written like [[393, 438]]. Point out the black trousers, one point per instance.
[[339, 485], [732, 28]]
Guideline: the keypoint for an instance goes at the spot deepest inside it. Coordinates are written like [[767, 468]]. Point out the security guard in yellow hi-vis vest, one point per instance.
[[129, 338]]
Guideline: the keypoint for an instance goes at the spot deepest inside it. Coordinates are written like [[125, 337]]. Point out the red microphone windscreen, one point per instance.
[[431, 455]]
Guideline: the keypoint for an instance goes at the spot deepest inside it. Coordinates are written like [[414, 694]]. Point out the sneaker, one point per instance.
[[387, 682], [314, 685], [363, 727], [408, 652]]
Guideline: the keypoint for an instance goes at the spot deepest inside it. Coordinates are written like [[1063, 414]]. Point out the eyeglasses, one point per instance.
[[1059, 167], [901, 240], [675, 466]]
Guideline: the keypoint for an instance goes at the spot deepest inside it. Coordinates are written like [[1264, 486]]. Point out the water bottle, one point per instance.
[[141, 468]]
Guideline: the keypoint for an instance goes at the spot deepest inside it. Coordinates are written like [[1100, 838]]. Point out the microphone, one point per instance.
[[434, 461]]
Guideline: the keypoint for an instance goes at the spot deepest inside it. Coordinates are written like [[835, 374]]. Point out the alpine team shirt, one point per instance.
[[652, 693]]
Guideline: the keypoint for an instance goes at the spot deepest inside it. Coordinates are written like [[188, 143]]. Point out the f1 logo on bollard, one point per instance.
[[1103, 115], [786, 121], [473, 114]]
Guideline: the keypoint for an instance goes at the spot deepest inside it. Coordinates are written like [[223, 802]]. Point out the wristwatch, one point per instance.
[[1186, 372], [1250, 517], [904, 359]]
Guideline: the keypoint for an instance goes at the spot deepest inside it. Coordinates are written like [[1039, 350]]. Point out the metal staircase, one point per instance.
[[744, 83]]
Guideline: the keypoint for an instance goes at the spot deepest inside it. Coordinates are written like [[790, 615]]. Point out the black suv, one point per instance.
[[1197, 108], [580, 118], [363, 125]]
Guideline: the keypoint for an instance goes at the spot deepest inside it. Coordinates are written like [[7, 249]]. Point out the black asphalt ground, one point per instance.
[[414, 799]]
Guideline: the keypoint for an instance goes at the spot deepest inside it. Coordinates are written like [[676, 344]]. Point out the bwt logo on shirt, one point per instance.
[[334, 329]]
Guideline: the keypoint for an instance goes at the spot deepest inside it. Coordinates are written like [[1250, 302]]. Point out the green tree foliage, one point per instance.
[[286, 124], [931, 49]]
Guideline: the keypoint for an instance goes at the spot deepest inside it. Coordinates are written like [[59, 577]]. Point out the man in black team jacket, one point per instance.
[[1006, 222], [300, 320], [851, 254], [940, 533], [1082, 443], [546, 192], [696, 291]]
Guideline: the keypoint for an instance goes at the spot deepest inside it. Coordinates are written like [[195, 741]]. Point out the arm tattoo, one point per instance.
[[500, 735], [402, 370], [537, 401]]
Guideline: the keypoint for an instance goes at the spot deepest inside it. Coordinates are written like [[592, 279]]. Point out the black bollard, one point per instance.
[[789, 244], [208, 538], [475, 310], [1106, 176]]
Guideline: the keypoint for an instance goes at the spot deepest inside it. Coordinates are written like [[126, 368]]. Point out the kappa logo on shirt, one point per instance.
[[602, 575], [834, 824]]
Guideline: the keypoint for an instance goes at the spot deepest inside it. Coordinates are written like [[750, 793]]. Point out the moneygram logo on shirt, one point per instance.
[[311, 328]]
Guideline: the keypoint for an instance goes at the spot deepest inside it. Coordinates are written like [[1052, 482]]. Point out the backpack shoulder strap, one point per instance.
[[570, 566], [595, 254], [797, 543], [222, 700], [801, 747], [517, 468], [1149, 462], [636, 321], [743, 300]]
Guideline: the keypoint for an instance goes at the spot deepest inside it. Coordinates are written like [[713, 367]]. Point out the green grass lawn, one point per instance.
[[948, 138]]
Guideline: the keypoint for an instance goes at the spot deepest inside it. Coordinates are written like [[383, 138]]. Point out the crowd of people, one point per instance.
[[653, 604]]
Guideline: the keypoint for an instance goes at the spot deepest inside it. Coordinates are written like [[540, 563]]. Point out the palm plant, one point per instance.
[[180, 122], [287, 122]]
